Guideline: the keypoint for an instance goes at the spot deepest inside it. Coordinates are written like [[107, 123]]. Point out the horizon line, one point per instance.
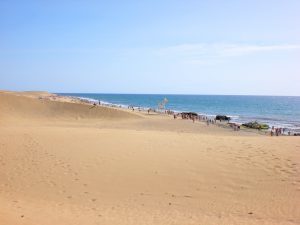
[[127, 93], [111, 93]]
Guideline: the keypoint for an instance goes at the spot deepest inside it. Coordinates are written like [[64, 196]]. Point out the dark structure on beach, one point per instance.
[[223, 117], [189, 114]]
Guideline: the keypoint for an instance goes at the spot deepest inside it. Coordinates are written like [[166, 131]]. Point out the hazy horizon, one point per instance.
[[172, 94], [194, 48], [138, 93]]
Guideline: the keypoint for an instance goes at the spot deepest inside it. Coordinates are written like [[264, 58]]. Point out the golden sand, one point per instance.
[[63, 162]]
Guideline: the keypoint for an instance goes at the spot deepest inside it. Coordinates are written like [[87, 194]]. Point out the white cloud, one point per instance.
[[207, 54], [237, 50]]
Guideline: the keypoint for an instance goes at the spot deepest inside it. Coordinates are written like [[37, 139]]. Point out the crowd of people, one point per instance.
[[195, 117], [275, 131], [236, 127]]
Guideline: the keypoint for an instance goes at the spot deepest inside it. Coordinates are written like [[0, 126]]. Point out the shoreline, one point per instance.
[[234, 121]]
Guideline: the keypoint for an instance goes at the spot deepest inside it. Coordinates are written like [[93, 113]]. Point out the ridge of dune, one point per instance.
[[36, 105]]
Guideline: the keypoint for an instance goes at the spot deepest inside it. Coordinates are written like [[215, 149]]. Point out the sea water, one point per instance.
[[279, 111]]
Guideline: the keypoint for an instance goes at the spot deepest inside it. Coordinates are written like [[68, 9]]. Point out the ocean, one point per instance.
[[278, 111]]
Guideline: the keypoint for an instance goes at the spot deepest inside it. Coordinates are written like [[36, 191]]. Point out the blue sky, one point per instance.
[[185, 47]]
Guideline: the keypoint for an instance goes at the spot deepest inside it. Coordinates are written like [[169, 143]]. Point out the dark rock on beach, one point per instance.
[[190, 114], [222, 117], [256, 125]]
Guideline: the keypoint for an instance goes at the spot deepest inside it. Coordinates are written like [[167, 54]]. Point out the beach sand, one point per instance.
[[64, 162]]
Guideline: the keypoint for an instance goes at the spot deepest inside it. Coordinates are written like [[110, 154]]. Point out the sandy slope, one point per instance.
[[65, 163], [22, 105]]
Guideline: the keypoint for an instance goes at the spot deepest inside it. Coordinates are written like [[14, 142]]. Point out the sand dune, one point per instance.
[[118, 167], [34, 105]]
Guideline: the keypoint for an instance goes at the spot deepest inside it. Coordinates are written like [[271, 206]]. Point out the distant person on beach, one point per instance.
[[272, 131]]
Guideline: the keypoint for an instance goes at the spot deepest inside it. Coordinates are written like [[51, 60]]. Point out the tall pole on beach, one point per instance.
[[162, 104]]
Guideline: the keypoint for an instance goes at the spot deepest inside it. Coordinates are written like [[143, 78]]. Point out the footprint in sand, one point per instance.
[[187, 196], [52, 183]]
